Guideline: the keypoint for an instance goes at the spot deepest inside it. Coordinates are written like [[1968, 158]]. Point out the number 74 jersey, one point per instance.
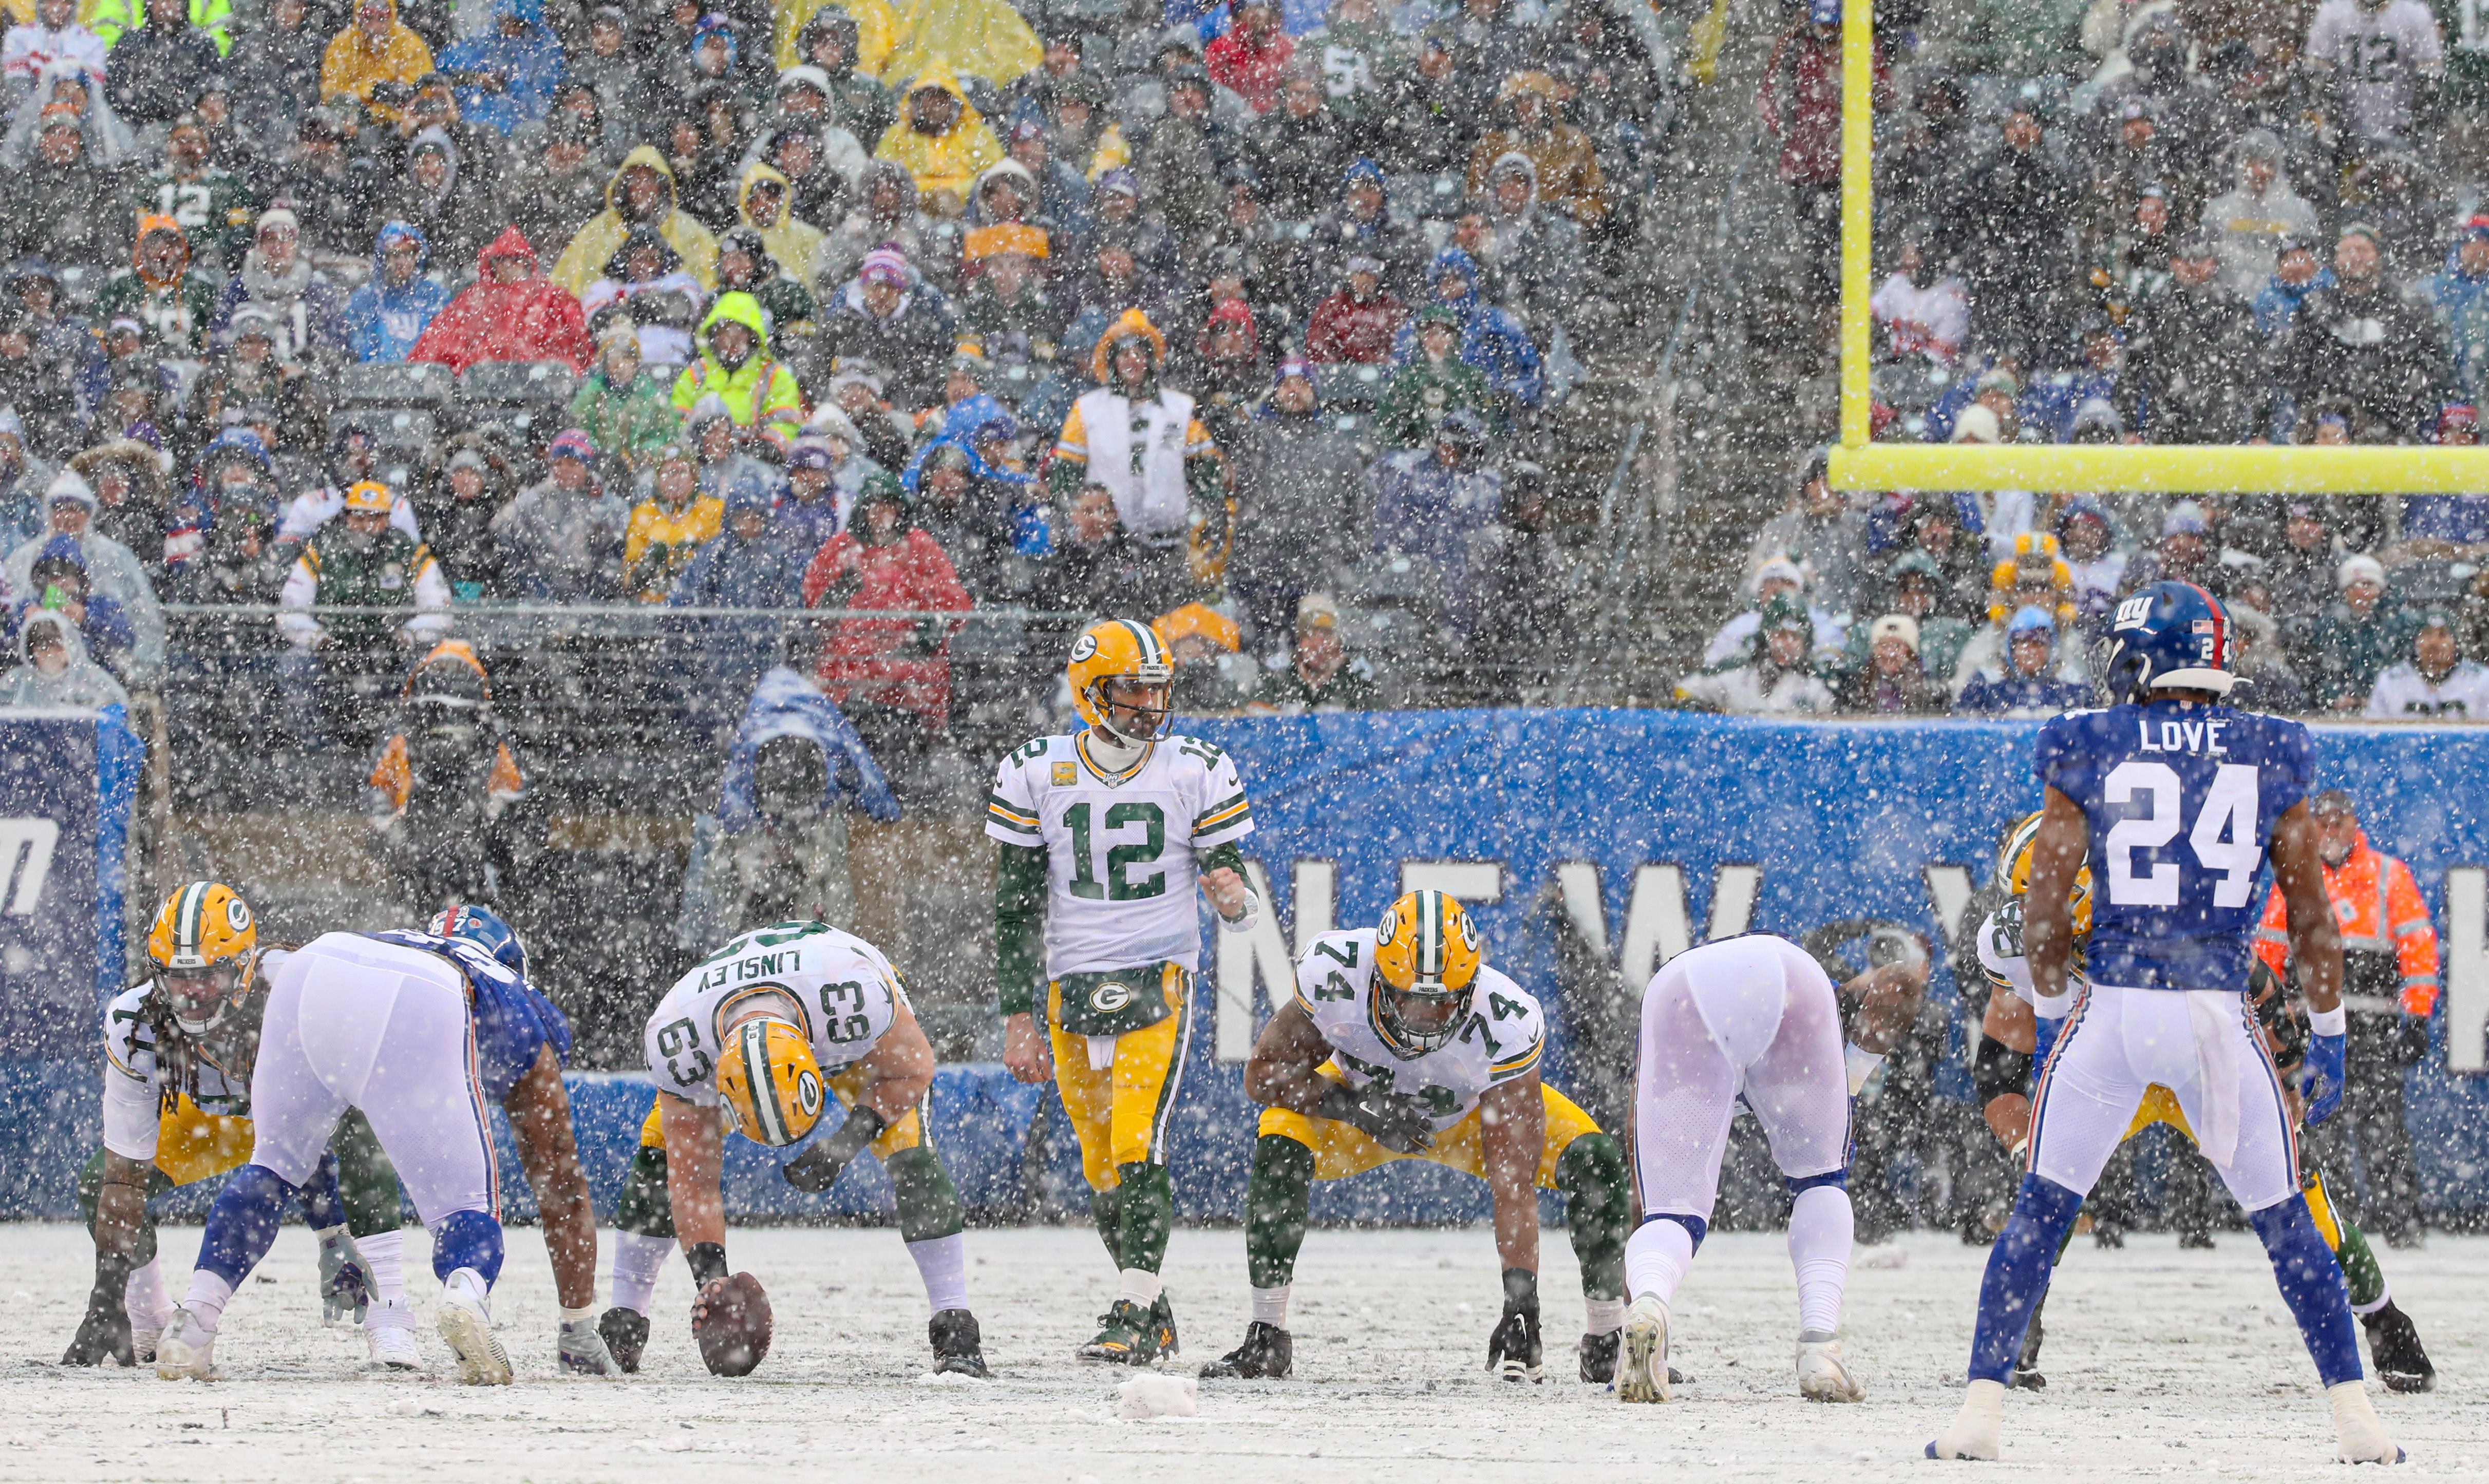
[[844, 994], [1504, 1039], [1118, 847], [2182, 801]]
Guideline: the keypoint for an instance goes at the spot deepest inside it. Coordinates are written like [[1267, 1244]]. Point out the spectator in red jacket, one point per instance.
[[882, 562], [511, 312], [1359, 322], [1800, 100], [1251, 60]]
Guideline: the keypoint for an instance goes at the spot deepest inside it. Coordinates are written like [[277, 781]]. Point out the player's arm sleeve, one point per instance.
[[2272, 933], [2057, 759], [1519, 1042], [1228, 816], [132, 1115], [1010, 809], [1020, 926]]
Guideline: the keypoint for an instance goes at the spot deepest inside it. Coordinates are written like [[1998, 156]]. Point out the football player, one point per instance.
[[2181, 799], [2002, 1071], [1752, 1019], [177, 1110], [1401, 1044], [755, 1041], [1100, 837], [462, 1030]]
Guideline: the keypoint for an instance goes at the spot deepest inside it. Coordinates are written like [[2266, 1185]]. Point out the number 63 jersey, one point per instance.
[[1118, 847], [844, 993], [2182, 800], [1504, 1039]]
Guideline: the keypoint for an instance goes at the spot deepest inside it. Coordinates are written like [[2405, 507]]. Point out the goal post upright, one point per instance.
[[1858, 463]]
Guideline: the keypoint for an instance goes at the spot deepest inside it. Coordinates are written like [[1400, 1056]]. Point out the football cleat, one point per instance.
[[187, 1349], [1822, 1375], [768, 1082], [1598, 1354], [958, 1348], [582, 1350], [393, 1345], [1644, 1375], [142, 1347], [2402, 1365], [1126, 1335], [1163, 1329], [1978, 1430], [1265, 1356], [2359, 1433], [468, 1327], [626, 1335]]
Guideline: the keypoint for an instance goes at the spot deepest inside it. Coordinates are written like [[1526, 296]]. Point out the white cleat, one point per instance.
[[1642, 1371], [468, 1327], [1822, 1375], [2359, 1433], [390, 1330], [1978, 1428], [187, 1349]]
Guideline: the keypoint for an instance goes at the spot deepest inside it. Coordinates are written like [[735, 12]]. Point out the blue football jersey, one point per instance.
[[2182, 801], [513, 1020]]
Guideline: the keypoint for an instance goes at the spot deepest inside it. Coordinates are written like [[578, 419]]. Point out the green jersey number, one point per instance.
[[1118, 885], [843, 1021], [672, 1041]]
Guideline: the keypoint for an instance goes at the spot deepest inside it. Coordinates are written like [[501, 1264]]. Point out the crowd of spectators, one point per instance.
[[1238, 316], [2139, 222]]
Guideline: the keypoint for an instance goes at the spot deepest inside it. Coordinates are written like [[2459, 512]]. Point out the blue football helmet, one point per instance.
[[484, 930], [2170, 636]]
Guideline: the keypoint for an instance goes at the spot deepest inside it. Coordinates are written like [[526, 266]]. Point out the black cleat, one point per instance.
[[1598, 1353], [1163, 1329], [957, 1345], [2026, 1366], [2196, 1242], [1264, 1356], [2394, 1346], [625, 1332], [1126, 1335], [2108, 1235]]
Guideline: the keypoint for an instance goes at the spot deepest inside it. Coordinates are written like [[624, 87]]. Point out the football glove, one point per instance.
[[1513, 1350], [2321, 1083], [345, 1277], [817, 1168], [1396, 1121], [104, 1332]]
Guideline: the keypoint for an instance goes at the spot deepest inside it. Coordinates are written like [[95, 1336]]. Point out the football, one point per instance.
[[733, 1323]]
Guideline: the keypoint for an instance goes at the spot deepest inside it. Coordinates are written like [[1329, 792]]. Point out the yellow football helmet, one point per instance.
[[769, 1082], [204, 943], [1426, 954], [369, 496], [1118, 649], [2013, 869]]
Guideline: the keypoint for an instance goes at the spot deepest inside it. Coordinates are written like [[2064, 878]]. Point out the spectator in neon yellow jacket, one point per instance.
[[108, 18], [735, 366]]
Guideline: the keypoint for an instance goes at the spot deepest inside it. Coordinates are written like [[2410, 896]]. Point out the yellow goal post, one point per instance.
[[1858, 463]]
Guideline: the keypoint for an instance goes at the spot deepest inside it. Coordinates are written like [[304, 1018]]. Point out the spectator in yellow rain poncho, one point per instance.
[[944, 143], [982, 38]]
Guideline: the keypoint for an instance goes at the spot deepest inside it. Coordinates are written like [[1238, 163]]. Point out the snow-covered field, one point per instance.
[[2159, 1362]]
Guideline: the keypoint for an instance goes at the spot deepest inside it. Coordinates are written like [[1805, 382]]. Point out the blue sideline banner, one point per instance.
[[67, 782]]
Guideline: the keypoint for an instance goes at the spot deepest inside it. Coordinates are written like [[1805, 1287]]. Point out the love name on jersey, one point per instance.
[[2200, 738], [736, 971]]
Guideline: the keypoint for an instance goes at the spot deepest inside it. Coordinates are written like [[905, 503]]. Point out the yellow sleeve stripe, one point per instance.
[[1017, 824], [1522, 1062], [1226, 817]]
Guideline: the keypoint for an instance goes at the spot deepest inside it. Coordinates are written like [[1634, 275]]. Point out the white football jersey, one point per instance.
[[1504, 1039], [845, 992], [2002, 959], [135, 1083], [1120, 871]]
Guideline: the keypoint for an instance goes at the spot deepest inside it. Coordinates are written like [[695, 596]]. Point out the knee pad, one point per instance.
[[1999, 1070], [1591, 1164], [466, 1238]]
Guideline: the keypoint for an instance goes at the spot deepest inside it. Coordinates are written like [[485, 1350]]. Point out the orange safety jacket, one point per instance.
[[2379, 909]]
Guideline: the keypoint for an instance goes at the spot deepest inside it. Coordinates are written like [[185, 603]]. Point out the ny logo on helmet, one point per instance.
[[2134, 611]]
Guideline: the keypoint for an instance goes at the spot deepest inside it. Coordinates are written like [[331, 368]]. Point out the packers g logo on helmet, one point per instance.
[[1426, 954], [203, 944], [1117, 649], [2013, 869], [770, 1082]]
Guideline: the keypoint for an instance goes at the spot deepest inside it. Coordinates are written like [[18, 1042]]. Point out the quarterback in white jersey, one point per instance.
[[1401, 1044], [757, 1039], [1101, 838]]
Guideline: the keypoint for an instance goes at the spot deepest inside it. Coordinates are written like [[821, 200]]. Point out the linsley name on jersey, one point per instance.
[[1502, 1039], [1121, 847], [836, 987]]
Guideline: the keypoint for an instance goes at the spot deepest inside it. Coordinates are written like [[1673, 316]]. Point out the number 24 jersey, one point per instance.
[[846, 993], [2182, 801], [1120, 873], [1504, 1037]]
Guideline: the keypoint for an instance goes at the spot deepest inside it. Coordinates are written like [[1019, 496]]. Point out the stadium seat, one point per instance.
[[419, 383], [518, 382]]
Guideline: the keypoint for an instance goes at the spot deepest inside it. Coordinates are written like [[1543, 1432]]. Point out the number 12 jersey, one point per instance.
[[2182, 800], [1120, 873]]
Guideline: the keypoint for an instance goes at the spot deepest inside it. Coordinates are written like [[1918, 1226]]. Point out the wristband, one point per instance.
[[1861, 1064], [2329, 1023], [1246, 920], [708, 1262]]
